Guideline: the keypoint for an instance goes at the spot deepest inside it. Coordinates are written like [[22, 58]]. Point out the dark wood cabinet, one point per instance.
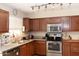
[[43, 24], [35, 25], [66, 49], [4, 21], [38, 25], [22, 50], [40, 47], [54, 20], [71, 48], [74, 23], [26, 23], [37, 47], [27, 49], [31, 48], [75, 49]]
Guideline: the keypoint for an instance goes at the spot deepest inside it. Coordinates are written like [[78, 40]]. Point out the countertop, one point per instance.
[[14, 45], [71, 40]]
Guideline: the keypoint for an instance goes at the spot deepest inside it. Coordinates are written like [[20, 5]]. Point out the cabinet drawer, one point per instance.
[[75, 47], [40, 41]]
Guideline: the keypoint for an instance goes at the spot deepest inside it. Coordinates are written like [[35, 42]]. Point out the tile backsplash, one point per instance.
[[38, 34], [74, 35]]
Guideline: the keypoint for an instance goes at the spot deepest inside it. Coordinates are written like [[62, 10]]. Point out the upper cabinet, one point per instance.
[[35, 25], [74, 23], [43, 24], [54, 20], [4, 21], [26, 22], [69, 23], [66, 23]]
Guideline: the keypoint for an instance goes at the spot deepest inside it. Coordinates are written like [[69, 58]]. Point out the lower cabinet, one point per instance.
[[22, 50], [40, 48], [71, 48], [26, 49], [66, 49], [75, 49], [31, 48], [37, 47]]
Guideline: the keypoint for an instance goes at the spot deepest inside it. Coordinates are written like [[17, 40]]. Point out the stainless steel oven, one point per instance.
[[54, 48]]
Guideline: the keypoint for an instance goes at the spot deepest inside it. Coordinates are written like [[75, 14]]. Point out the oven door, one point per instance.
[[54, 46]]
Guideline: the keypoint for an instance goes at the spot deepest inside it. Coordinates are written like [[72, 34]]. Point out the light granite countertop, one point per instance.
[[14, 45]]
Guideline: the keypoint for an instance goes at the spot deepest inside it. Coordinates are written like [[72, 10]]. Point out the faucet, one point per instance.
[[70, 37]]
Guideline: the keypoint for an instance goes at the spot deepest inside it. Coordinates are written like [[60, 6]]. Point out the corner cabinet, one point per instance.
[[26, 49], [4, 21], [37, 47]]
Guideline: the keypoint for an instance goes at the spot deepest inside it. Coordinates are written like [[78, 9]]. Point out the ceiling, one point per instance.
[[26, 7]]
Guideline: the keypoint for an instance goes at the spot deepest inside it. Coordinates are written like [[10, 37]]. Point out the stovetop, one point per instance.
[[54, 39]]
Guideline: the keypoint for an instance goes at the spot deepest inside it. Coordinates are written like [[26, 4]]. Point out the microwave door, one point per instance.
[[53, 28]]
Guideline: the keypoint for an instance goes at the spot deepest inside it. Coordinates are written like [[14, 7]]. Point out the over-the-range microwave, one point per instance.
[[54, 27]]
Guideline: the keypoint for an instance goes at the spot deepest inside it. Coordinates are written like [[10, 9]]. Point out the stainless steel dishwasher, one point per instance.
[[11, 52]]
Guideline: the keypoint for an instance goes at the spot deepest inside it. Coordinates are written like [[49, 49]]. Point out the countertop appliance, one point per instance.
[[54, 28], [11, 52]]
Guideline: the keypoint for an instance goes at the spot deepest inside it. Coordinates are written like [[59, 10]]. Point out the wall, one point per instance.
[[74, 35], [38, 35]]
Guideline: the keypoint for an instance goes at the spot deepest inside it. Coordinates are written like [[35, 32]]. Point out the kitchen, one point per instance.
[[39, 29]]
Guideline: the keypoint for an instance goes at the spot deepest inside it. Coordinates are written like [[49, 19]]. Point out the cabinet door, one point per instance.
[[31, 48], [66, 49], [43, 24], [23, 50], [40, 48], [4, 22], [66, 24], [75, 49], [26, 24], [35, 25], [28, 49], [54, 20], [75, 23]]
